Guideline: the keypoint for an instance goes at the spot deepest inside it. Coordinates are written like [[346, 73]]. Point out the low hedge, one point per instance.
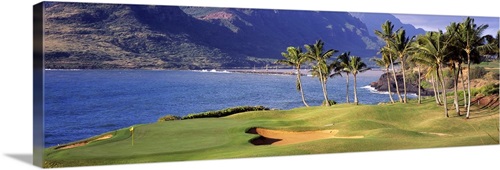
[[215, 113], [169, 118], [225, 112]]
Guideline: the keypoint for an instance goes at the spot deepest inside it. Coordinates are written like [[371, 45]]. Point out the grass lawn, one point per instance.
[[384, 127], [495, 64]]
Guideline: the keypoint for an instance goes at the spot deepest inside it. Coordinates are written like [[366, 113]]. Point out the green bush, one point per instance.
[[448, 73], [225, 112], [169, 118], [425, 84], [332, 102], [450, 83], [477, 72], [412, 77], [495, 76], [489, 89]]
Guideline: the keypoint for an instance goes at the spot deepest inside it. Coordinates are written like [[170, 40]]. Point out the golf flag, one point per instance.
[[132, 131]]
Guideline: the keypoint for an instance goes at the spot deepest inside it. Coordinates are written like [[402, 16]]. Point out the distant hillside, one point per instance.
[[374, 21], [104, 36]]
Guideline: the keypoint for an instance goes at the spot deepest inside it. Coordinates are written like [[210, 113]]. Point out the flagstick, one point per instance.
[[132, 131]]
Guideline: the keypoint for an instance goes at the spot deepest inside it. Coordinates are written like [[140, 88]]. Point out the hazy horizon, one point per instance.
[[439, 22]]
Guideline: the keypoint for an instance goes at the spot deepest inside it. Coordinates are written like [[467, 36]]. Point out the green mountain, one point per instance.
[[107, 36]]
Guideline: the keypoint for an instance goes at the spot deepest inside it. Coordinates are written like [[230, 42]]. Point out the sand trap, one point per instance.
[[83, 143], [279, 137]]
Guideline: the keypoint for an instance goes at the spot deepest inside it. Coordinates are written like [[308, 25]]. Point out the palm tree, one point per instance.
[[357, 66], [435, 88], [344, 67], [295, 58], [435, 45], [454, 62], [420, 61], [387, 34], [400, 46], [385, 62], [323, 73], [429, 65], [315, 53], [470, 39], [494, 43]]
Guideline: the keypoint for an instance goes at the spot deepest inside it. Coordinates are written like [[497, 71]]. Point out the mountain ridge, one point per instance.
[[115, 36], [374, 21]]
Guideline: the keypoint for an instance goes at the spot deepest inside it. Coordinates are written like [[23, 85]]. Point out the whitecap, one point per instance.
[[373, 90]]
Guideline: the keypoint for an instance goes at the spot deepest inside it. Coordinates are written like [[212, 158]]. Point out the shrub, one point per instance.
[[225, 112], [495, 76], [489, 89], [412, 77], [477, 72], [332, 102], [169, 118], [426, 84], [448, 73], [450, 83]]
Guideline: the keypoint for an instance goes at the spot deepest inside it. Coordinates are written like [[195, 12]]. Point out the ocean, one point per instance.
[[79, 104]]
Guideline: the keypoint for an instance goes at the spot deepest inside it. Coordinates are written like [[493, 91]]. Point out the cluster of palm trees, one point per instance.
[[322, 68], [432, 53]]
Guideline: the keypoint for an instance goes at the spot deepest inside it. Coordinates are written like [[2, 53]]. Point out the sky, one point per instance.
[[435, 22]]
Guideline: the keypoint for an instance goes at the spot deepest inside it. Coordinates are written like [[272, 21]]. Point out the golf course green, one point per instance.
[[372, 127]]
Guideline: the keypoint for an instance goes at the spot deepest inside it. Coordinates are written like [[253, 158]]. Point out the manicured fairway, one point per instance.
[[383, 127]]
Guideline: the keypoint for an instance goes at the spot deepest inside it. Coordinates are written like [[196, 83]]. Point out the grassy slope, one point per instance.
[[385, 127], [488, 65]]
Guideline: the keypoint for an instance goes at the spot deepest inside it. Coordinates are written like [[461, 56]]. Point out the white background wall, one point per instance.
[[16, 93]]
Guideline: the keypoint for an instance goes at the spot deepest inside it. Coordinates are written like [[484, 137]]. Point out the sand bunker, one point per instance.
[[83, 143], [279, 137]]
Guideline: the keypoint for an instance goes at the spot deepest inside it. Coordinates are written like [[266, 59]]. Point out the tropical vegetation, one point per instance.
[[321, 69], [436, 56], [295, 58]]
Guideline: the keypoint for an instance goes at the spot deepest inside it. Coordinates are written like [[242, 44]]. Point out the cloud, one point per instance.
[[439, 22]]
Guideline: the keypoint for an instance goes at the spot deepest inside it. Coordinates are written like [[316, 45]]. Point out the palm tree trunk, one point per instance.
[[325, 92], [419, 86], [388, 84], [468, 86], [355, 93], [455, 100], [404, 79], [395, 80], [347, 88], [436, 97], [463, 86], [323, 87], [438, 81], [443, 92], [300, 87]]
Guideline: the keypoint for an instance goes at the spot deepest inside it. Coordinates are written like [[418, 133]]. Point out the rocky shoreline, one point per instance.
[[381, 85]]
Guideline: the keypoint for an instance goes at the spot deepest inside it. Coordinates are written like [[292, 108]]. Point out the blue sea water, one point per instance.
[[83, 103]]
